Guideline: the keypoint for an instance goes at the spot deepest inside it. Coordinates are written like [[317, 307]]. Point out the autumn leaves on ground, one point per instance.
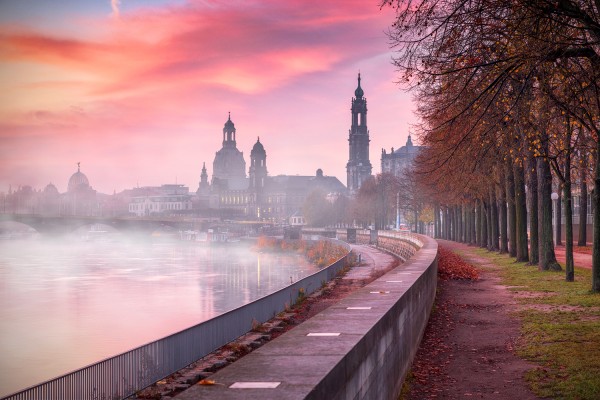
[[550, 331]]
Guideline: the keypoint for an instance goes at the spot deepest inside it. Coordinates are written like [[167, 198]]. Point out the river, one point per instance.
[[66, 304]]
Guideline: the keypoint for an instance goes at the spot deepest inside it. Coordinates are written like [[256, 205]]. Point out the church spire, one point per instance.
[[359, 92], [358, 167]]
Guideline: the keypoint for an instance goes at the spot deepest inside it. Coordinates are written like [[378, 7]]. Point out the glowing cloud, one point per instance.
[[115, 7], [155, 83]]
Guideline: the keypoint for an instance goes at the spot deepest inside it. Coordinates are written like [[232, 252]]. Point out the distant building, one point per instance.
[[170, 199], [232, 195], [398, 162], [229, 167], [80, 199], [358, 167]]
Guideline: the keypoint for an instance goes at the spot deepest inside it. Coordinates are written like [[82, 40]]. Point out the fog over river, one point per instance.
[[66, 304]]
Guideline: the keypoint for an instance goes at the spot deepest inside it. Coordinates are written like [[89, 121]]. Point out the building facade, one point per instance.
[[359, 167], [399, 162], [170, 199], [232, 195]]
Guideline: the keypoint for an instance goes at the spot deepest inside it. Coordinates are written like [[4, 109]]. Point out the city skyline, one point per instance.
[[138, 91]]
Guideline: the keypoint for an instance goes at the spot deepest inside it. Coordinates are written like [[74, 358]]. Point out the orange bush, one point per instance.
[[321, 253]]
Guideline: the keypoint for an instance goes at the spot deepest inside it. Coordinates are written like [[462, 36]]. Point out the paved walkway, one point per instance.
[[344, 347], [373, 262]]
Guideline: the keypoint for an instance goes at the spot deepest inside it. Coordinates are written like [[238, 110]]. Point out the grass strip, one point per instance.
[[561, 327]]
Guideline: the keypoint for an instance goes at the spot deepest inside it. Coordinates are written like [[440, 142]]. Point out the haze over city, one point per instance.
[[138, 91]]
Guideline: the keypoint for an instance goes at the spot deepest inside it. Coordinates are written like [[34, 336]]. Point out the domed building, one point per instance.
[[80, 198], [229, 167], [232, 195], [78, 181], [50, 200]]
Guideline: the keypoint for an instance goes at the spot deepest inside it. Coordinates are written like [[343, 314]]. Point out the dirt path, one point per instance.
[[580, 259], [467, 351]]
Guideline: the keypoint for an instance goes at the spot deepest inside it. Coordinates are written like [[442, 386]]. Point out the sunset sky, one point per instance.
[[138, 90]]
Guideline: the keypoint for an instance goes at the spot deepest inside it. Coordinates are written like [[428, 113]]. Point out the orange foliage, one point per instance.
[[321, 253], [452, 266], [583, 249]]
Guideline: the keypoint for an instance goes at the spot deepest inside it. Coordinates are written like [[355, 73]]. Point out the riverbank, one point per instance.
[[374, 263]]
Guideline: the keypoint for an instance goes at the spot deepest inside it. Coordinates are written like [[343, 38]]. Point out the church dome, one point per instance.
[[258, 148], [229, 126], [50, 189], [359, 92], [78, 180]]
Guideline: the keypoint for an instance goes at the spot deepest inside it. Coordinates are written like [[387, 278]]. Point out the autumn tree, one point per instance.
[[316, 209]]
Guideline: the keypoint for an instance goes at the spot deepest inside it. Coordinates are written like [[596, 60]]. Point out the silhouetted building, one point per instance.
[[169, 199], [359, 167], [232, 195], [229, 167], [80, 198], [400, 161]]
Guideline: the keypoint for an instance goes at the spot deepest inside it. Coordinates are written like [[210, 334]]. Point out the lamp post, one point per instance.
[[398, 211]]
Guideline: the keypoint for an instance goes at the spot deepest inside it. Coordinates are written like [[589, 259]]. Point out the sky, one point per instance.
[[138, 91]]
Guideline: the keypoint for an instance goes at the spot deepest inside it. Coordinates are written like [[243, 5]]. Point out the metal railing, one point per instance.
[[123, 375]]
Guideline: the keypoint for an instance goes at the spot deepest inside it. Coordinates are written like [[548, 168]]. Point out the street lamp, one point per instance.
[[398, 211]]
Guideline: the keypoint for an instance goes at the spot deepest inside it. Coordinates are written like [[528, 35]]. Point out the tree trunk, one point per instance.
[[447, 221], [558, 222], [521, 213], [416, 221], [596, 211], [478, 222], [442, 223], [569, 267], [473, 224], [438, 226], [494, 227], [466, 222], [452, 224], [533, 210], [456, 225], [463, 224], [489, 224], [503, 213], [484, 227], [546, 247], [511, 217], [582, 241]]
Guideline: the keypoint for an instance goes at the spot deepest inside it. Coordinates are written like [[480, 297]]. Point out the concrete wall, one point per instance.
[[360, 348], [377, 366]]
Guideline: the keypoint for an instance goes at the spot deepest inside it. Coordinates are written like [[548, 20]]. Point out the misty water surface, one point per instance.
[[67, 304]]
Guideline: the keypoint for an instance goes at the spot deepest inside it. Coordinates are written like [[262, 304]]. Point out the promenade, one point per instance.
[[357, 345]]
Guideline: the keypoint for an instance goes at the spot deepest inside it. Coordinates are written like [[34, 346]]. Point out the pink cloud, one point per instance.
[[157, 83]]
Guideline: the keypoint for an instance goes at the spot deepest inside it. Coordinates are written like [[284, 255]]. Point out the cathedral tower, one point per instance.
[[258, 166], [204, 186], [258, 178], [359, 167], [229, 165]]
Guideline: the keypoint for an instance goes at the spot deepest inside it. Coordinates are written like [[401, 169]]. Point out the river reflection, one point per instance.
[[64, 305]]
